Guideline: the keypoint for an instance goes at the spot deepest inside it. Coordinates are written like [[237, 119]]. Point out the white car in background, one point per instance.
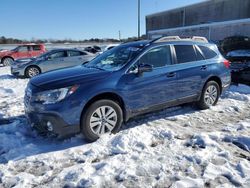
[[110, 46]]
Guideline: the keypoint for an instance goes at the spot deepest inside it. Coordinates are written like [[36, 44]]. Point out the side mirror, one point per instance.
[[85, 62], [144, 68], [48, 58]]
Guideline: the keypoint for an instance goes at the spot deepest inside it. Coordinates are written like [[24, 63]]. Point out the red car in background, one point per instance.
[[22, 51]]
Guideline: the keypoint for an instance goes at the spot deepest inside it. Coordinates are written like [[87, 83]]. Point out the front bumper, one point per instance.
[[51, 124], [16, 71], [60, 119]]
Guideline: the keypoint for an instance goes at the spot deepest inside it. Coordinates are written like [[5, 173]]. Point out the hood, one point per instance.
[[68, 77], [24, 60], [5, 52]]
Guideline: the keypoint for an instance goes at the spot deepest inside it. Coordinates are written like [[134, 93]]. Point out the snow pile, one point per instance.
[[175, 147]]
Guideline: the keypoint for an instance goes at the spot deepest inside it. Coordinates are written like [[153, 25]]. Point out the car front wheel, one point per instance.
[[102, 117], [32, 71], [7, 61], [210, 95]]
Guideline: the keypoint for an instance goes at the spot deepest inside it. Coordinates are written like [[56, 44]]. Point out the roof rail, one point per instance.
[[167, 39], [177, 38], [199, 39]]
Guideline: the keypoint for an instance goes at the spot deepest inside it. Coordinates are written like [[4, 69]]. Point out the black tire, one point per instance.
[[86, 129], [29, 70], [203, 102], [7, 61]]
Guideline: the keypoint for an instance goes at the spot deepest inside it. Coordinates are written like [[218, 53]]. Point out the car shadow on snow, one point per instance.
[[7, 76], [167, 114], [19, 141]]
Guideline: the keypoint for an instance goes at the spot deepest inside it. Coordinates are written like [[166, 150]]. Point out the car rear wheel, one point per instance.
[[210, 95], [7, 61], [102, 117], [32, 71]]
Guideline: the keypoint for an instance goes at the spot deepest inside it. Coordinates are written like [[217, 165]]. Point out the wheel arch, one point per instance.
[[26, 68], [6, 57], [106, 95], [217, 80]]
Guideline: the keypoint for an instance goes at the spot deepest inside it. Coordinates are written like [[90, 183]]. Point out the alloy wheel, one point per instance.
[[33, 71], [7, 61], [211, 95], [103, 120]]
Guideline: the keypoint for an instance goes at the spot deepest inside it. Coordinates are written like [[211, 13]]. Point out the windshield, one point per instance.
[[114, 59], [15, 49]]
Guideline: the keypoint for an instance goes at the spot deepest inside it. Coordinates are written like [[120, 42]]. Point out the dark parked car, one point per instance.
[[52, 60], [93, 49], [128, 80], [240, 65]]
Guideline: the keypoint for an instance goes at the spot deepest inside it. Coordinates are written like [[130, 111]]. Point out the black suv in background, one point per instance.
[[237, 50]]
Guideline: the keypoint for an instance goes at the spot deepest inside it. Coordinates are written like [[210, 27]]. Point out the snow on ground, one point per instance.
[[176, 147]]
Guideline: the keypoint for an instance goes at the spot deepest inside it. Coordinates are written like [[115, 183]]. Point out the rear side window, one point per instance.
[[157, 57], [36, 48], [185, 53], [83, 53], [207, 52], [57, 55], [72, 53]]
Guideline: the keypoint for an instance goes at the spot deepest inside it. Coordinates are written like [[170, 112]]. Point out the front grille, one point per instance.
[[27, 97]]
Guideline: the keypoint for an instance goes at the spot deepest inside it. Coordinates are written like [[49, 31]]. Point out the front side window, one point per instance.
[[22, 49], [72, 53], [115, 58], [157, 57], [185, 53]]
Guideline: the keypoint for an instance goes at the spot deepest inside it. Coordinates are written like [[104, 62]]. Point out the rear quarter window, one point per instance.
[[207, 52], [72, 53], [36, 48]]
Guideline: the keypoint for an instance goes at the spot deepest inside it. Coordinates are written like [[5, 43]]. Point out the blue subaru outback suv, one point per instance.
[[128, 80]]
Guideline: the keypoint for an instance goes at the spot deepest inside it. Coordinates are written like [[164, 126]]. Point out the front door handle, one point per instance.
[[171, 74], [204, 67]]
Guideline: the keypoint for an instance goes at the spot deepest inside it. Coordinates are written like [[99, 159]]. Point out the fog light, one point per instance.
[[49, 126]]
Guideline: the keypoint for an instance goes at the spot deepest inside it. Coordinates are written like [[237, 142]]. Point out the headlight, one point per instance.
[[14, 66], [54, 96]]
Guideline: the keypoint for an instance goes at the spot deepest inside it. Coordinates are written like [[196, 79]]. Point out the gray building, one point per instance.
[[214, 19]]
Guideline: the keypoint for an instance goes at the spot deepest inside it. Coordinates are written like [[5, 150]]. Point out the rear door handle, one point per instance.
[[171, 74], [204, 67]]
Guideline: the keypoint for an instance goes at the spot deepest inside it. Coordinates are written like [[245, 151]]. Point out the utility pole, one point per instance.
[[139, 18], [119, 35]]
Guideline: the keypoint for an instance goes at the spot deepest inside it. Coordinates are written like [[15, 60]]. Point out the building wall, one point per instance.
[[205, 12], [214, 31]]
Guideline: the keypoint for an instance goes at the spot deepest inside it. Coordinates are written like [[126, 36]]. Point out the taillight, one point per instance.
[[226, 63]]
